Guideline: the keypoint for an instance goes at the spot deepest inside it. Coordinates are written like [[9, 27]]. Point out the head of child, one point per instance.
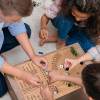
[[14, 10], [91, 81], [81, 10]]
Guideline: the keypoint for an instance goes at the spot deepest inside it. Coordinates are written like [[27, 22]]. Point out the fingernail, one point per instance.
[[67, 69], [81, 63], [43, 63]]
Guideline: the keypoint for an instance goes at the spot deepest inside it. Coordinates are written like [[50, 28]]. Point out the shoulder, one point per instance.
[[52, 8], [1, 25], [48, 3]]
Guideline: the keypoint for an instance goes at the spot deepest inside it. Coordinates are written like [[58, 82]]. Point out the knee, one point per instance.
[[28, 30]]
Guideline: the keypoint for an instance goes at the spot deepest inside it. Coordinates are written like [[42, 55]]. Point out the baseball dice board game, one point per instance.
[[20, 90]]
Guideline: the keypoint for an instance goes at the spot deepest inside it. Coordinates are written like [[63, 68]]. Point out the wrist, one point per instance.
[[33, 57], [22, 75], [79, 59], [44, 27], [25, 76], [67, 78]]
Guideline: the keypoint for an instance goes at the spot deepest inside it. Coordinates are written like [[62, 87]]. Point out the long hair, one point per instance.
[[86, 6], [91, 80]]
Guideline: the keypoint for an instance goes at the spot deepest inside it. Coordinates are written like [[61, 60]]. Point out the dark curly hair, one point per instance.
[[86, 6], [91, 80]]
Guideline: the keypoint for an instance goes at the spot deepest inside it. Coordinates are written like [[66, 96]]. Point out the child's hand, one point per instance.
[[57, 75], [32, 79], [40, 61], [70, 63], [43, 34], [46, 93]]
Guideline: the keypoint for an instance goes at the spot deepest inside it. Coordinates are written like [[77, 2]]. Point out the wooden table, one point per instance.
[[20, 90]]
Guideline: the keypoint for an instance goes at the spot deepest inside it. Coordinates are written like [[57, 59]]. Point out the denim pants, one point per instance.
[[70, 33]]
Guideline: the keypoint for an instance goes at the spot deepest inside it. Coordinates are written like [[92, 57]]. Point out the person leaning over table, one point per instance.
[[14, 32]]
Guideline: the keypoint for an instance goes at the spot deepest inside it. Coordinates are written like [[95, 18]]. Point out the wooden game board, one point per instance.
[[20, 90]]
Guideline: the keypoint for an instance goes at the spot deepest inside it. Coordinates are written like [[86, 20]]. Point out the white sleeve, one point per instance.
[[95, 53], [50, 9]]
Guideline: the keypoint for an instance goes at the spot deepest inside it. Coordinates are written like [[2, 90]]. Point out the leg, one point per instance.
[[60, 44], [82, 38], [51, 38], [63, 25], [10, 41]]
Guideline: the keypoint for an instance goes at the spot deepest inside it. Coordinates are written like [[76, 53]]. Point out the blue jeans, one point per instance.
[[68, 32], [81, 37]]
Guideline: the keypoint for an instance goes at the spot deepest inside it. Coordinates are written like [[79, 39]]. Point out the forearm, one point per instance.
[[26, 44], [85, 57], [75, 80], [8, 69], [44, 21]]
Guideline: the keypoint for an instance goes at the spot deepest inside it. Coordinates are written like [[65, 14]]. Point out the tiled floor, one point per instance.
[[17, 55]]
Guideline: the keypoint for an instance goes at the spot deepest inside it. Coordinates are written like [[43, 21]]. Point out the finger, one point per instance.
[[46, 35], [44, 32], [43, 85], [43, 62], [41, 88], [71, 68], [37, 79], [67, 64], [41, 34], [35, 83]]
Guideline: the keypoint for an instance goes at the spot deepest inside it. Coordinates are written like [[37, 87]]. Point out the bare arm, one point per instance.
[[75, 62], [57, 75], [44, 22], [26, 45], [43, 34], [25, 76], [75, 80], [8, 69], [85, 57]]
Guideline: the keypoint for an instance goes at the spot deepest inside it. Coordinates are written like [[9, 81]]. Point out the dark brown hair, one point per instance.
[[22, 7], [91, 80], [85, 6]]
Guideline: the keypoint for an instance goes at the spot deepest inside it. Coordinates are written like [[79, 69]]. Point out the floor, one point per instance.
[[17, 55]]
